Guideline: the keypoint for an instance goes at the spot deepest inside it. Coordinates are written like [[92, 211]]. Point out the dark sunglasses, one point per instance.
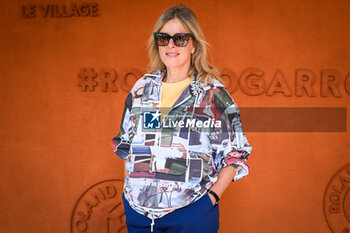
[[180, 39]]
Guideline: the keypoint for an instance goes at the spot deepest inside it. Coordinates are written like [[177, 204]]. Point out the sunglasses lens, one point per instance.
[[181, 40], [162, 40]]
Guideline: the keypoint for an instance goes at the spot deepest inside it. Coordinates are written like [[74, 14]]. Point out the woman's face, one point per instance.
[[172, 56]]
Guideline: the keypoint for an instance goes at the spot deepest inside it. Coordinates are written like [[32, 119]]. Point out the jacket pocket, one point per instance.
[[209, 202]]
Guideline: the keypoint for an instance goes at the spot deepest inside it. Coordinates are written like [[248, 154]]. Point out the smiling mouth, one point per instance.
[[172, 54]]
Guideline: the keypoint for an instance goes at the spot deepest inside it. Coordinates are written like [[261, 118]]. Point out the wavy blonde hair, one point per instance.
[[199, 64]]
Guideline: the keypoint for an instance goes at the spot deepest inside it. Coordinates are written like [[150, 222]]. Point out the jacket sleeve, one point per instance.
[[121, 142], [228, 141]]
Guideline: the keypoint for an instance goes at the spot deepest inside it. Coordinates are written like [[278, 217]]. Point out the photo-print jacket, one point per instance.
[[172, 164]]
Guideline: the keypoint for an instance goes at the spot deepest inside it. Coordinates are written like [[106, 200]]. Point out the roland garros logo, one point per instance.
[[336, 203], [100, 209]]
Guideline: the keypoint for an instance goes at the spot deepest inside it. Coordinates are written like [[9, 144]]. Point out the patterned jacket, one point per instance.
[[174, 162]]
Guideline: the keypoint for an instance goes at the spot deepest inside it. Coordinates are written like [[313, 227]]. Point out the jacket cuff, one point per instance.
[[242, 168]]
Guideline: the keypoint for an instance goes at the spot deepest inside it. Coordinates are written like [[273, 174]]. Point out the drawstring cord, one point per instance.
[[151, 216], [152, 224]]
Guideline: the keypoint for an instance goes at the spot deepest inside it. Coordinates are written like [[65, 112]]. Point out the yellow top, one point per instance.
[[171, 92]]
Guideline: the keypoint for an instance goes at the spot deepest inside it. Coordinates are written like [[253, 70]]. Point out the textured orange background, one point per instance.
[[54, 138]]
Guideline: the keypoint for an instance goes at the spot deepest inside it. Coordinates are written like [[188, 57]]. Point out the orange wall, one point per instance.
[[58, 172]]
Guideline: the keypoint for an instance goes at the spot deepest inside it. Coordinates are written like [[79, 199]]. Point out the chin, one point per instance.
[[173, 64]]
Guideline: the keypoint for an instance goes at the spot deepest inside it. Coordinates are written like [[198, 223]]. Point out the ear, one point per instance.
[[193, 50]]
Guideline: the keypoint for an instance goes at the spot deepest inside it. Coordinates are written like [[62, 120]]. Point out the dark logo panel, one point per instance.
[[151, 120]]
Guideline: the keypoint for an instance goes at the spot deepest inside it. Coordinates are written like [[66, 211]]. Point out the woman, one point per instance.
[[181, 134]]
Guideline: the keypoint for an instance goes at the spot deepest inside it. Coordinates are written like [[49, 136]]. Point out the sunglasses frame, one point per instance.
[[156, 34]]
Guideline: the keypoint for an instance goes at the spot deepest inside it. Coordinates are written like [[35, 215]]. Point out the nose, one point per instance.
[[171, 43]]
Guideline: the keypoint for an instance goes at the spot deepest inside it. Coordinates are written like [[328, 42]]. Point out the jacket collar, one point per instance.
[[153, 89], [194, 88]]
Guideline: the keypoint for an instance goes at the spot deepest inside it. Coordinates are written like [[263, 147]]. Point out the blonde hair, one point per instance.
[[199, 64]]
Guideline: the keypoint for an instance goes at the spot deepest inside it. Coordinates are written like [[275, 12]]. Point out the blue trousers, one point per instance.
[[198, 217]]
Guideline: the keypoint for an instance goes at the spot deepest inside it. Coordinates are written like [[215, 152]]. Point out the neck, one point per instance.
[[175, 75]]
